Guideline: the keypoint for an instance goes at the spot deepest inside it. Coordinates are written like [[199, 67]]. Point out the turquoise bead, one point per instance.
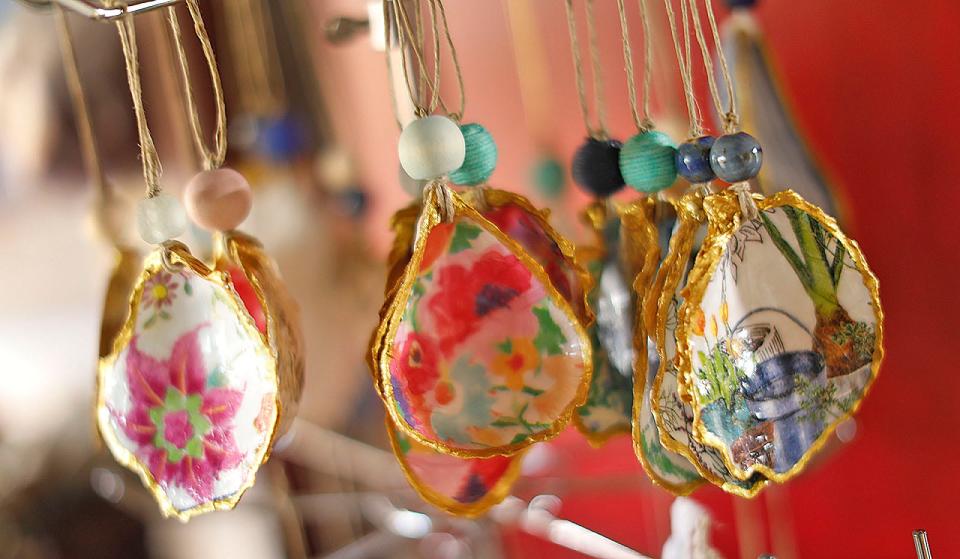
[[648, 162], [481, 157], [548, 177]]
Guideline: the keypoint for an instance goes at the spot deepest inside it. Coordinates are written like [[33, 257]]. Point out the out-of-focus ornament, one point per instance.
[[206, 372], [764, 108]]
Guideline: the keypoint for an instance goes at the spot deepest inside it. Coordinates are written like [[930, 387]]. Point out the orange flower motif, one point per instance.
[[699, 322], [520, 356], [563, 381], [489, 435]]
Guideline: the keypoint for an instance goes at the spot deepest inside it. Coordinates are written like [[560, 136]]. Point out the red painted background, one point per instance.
[[876, 88]]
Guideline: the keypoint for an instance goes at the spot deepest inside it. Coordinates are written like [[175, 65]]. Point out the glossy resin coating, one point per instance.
[[461, 486], [486, 356], [781, 333], [673, 457], [188, 397]]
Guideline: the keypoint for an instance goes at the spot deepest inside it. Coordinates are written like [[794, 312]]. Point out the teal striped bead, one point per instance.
[[481, 157], [648, 162]]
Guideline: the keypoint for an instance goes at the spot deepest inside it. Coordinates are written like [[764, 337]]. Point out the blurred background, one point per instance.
[[870, 95]]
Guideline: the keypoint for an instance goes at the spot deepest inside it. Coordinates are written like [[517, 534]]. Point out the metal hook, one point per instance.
[[921, 544], [97, 12]]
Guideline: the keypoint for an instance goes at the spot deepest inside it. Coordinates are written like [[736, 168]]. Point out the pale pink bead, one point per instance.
[[218, 200]]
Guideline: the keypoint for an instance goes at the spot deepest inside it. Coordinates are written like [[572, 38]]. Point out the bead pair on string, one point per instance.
[[206, 372]]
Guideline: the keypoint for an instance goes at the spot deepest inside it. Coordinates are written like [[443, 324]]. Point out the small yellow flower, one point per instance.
[[512, 366], [724, 313], [713, 326]]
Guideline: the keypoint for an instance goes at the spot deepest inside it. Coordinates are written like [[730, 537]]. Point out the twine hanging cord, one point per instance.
[[148, 150], [600, 131], [412, 37], [212, 157], [88, 141], [644, 123]]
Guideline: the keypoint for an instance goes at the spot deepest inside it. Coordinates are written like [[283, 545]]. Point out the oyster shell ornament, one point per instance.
[[625, 254], [466, 486], [479, 353], [663, 430], [206, 370], [780, 334], [204, 376]]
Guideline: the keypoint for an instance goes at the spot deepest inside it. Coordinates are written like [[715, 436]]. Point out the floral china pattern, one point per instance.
[[483, 357], [188, 401]]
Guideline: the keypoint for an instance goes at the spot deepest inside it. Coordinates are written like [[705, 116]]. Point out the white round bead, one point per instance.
[[431, 147], [160, 219], [410, 185]]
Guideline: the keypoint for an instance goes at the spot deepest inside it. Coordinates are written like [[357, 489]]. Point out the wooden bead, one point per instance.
[[218, 200]]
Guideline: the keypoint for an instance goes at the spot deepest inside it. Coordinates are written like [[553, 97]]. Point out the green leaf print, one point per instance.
[[462, 236], [550, 338]]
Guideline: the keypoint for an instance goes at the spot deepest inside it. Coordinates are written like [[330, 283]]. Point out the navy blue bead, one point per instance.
[[693, 160], [596, 167], [741, 3], [736, 157]]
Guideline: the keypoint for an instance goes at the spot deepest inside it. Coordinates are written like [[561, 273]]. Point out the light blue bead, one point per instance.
[[736, 157], [648, 161], [480, 159]]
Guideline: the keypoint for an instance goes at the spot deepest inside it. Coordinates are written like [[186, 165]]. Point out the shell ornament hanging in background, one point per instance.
[[203, 377], [480, 351], [626, 253], [663, 430], [780, 334]]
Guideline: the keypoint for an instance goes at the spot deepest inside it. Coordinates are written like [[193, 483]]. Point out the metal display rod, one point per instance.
[[98, 12]]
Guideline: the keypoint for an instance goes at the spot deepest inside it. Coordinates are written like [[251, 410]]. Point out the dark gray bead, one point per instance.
[[736, 157], [596, 167]]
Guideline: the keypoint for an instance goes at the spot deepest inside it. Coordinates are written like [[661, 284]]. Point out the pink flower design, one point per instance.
[[182, 425], [160, 290]]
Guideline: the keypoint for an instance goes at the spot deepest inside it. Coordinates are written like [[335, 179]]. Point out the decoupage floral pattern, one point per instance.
[[784, 339], [467, 486], [483, 356], [188, 399]]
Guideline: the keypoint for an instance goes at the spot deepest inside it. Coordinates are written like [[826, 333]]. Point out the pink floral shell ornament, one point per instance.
[[780, 335], [202, 376], [663, 438], [478, 352]]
